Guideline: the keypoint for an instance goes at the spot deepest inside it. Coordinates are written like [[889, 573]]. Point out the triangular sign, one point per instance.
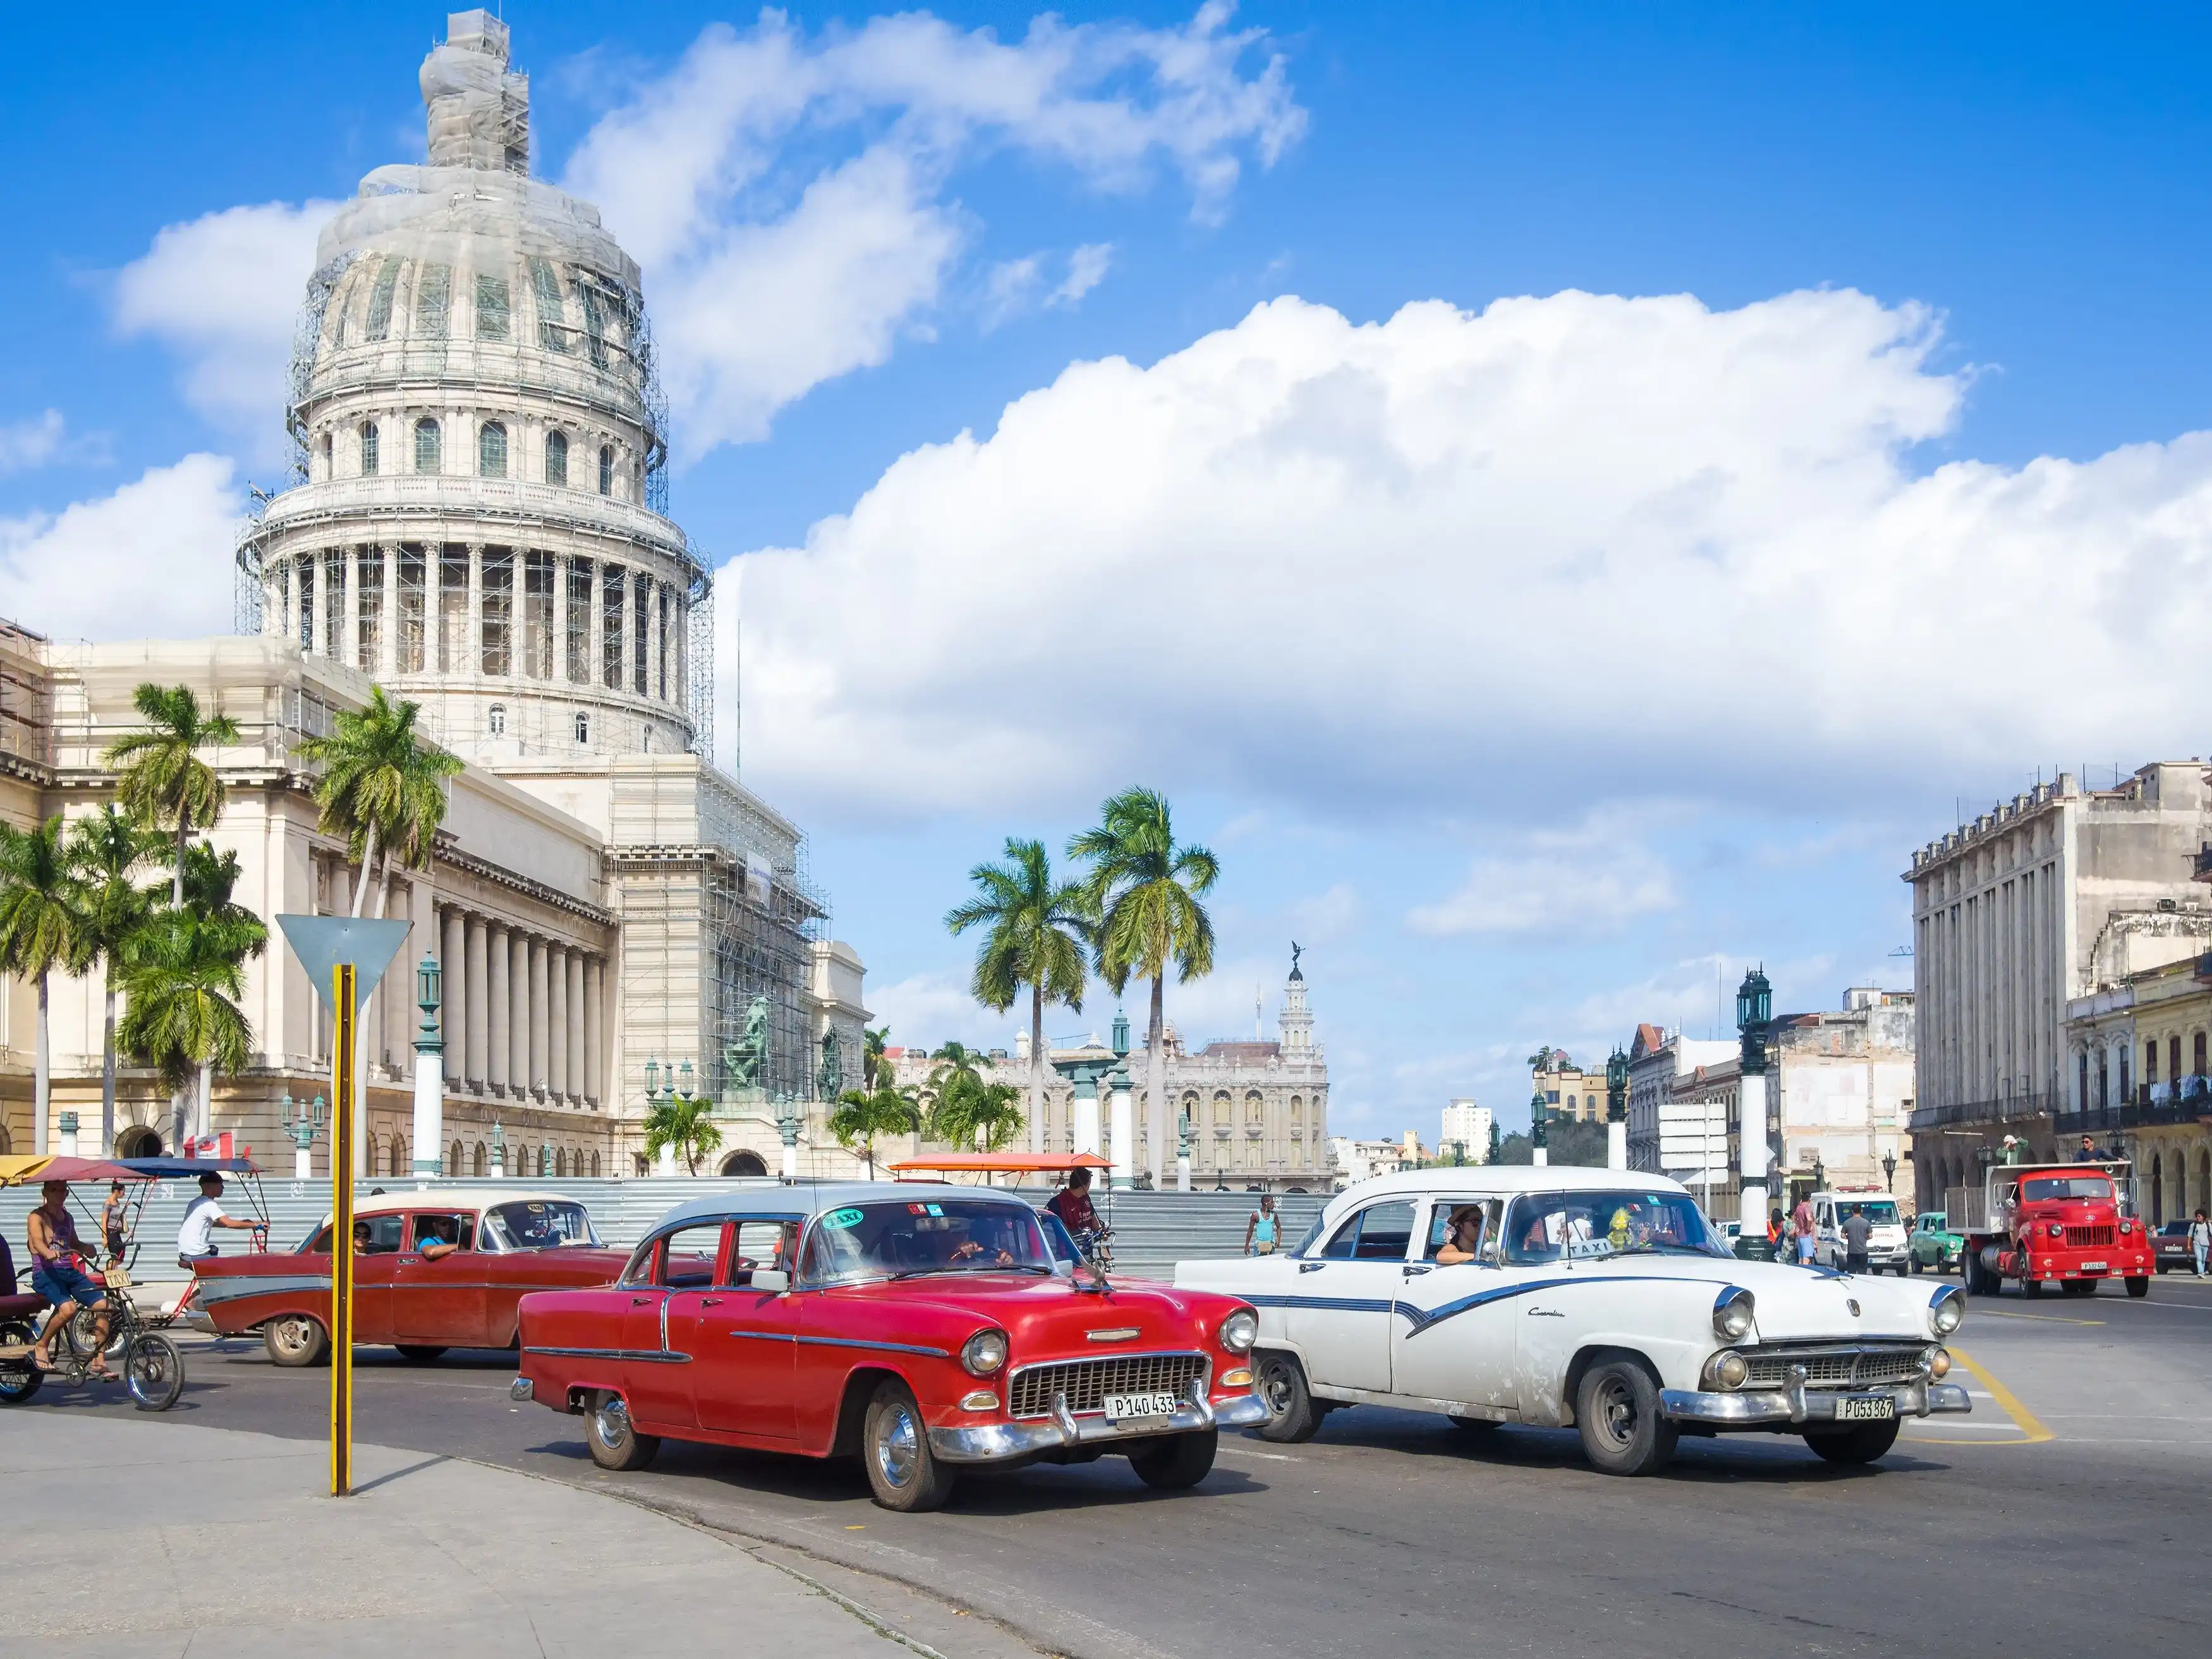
[[323, 942]]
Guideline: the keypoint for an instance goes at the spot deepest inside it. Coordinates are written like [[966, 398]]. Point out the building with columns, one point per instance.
[[477, 521]]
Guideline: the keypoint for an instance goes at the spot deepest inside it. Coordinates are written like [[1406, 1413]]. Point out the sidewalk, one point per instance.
[[139, 1539]]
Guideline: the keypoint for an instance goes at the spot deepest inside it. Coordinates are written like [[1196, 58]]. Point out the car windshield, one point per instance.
[[914, 1237], [1626, 1221], [539, 1223], [1879, 1212], [2098, 1187]]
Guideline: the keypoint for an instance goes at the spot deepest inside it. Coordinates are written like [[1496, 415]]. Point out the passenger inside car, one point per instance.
[[1455, 1235]]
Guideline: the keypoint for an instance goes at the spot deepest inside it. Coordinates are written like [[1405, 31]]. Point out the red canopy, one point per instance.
[[37, 1171], [1001, 1163]]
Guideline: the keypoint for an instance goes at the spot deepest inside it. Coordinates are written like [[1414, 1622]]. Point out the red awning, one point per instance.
[[1001, 1163]]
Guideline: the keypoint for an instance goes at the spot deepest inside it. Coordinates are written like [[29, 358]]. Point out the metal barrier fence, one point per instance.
[[1151, 1230]]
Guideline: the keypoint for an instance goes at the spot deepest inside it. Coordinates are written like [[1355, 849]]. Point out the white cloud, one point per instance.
[[152, 559], [767, 280], [1562, 882], [34, 442], [223, 290], [1464, 562], [1011, 288], [1326, 917]]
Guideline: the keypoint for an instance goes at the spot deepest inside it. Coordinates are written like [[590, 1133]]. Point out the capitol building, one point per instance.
[[479, 522]]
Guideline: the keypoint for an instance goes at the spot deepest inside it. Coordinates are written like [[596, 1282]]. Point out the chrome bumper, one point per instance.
[[1062, 1430], [519, 1389], [1761, 1408]]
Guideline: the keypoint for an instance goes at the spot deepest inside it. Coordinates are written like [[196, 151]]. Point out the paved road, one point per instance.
[[2078, 1489]]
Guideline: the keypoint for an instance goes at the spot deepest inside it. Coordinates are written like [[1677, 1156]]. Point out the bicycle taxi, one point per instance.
[[139, 1348]]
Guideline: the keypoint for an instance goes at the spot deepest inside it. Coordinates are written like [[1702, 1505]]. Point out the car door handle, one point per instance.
[[639, 1301], [1312, 1266], [1413, 1269], [710, 1301]]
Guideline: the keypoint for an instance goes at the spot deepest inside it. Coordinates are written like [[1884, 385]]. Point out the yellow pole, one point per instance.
[[342, 1113]]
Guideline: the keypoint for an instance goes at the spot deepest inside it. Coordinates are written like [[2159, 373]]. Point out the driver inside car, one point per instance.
[[1462, 1237]]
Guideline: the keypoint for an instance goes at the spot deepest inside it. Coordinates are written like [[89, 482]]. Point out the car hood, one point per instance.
[[1049, 1315], [1793, 1305]]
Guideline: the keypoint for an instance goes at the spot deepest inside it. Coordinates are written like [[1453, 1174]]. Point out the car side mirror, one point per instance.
[[771, 1281]]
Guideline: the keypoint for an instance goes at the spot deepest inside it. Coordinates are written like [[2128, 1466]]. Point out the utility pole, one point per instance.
[[1754, 1011], [1616, 1110]]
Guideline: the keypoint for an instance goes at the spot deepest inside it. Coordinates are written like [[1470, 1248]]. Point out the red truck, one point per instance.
[[2068, 1225]]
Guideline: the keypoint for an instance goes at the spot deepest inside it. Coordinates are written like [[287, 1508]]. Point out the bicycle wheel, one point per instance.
[[153, 1371], [84, 1322]]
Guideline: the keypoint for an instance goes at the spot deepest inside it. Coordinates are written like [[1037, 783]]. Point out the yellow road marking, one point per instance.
[[2031, 1429], [2048, 1319]]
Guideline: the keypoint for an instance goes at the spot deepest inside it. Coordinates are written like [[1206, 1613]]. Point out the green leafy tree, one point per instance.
[[956, 1065], [382, 788], [684, 1123], [1145, 890], [106, 849], [184, 978], [876, 1069], [1036, 932], [863, 1115], [162, 780], [41, 929], [976, 1117]]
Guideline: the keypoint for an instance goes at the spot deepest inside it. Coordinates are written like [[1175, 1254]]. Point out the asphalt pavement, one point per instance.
[[2075, 1495]]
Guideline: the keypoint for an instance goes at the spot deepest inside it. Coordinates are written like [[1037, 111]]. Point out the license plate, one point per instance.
[[1121, 1407], [1865, 1408], [2093, 1267]]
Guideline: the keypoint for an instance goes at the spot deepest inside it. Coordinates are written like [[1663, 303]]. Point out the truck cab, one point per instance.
[[1888, 1246], [2068, 1225]]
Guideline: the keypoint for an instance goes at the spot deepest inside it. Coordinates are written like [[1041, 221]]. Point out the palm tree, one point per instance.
[[41, 929], [1145, 890], [1038, 933], [876, 1070], [105, 848], [863, 1114], [382, 789], [183, 980], [162, 775], [684, 1122], [973, 1116]]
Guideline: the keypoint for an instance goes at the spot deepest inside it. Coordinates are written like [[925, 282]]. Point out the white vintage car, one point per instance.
[[1594, 1297]]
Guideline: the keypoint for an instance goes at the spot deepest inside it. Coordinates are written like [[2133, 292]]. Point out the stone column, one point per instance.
[[560, 654], [501, 990], [453, 965], [628, 597], [540, 1070], [472, 634], [556, 1021], [572, 1030], [272, 598], [595, 651], [349, 647], [595, 1053], [652, 642], [518, 1052], [387, 649], [479, 1005]]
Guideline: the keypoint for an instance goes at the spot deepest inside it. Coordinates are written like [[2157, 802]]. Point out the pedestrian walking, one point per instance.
[[1801, 1225], [1856, 1231], [2200, 1241], [1264, 1229]]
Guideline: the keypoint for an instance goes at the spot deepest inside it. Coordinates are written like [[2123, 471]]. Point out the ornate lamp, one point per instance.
[[498, 1148], [653, 1081], [1539, 1112], [1754, 1012], [1616, 1087], [1889, 1170]]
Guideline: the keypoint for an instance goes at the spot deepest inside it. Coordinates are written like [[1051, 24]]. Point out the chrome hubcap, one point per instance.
[[1275, 1388], [614, 1422], [292, 1336], [896, 1450], [1617, 1410]]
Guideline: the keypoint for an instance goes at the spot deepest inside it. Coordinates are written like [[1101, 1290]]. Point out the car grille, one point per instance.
[[2088, 1238], [1833, 1367], [1086, 1383]]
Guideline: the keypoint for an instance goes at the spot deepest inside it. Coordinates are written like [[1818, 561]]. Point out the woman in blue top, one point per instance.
[[1264, 1231]]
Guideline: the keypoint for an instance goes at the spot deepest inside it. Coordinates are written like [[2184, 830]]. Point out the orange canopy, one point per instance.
[[1001, 1163]]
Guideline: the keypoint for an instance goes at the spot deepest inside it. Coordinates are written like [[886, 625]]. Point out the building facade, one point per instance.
[[478, 522], [2142, 1042], [1574, 1095], [1843, 1092], [2009, 912], [1665, 1071], [1465, 1130]]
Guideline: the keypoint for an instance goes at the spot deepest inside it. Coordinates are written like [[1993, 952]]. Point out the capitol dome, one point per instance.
[[476, 517]]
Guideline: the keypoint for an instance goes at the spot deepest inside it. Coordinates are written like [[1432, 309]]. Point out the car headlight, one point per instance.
[[1939, 1362], [984, 1354], [1732, 1314], [1947, 1311], [1240, 1331], [1729, 1370]]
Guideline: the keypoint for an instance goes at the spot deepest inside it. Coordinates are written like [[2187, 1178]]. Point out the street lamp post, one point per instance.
[[1183, 1149], [1616, 1110], [498, 1151], [787, 1123], [299, 1122], [1121, 1126], [429, 1074], [1889, 1171], [1540, 1154], [1755, 1010]]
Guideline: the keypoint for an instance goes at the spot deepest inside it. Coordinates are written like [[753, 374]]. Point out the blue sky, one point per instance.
[[1533, 663]]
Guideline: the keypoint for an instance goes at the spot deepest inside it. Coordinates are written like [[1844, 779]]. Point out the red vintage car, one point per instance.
[[409, 1290], [926, 1327]]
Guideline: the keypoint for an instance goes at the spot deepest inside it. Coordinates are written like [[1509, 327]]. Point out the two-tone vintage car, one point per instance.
[[444, 1267], [1593, 1298], [1934, 1247], [928, 1328]]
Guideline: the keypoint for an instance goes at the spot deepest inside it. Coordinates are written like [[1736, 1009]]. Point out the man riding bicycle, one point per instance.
[[57, 1274]]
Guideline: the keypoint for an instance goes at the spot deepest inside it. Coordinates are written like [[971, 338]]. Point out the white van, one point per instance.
[[1888, 1247]]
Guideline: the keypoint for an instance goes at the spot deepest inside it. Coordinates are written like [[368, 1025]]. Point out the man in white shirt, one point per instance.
[[196, 1238]]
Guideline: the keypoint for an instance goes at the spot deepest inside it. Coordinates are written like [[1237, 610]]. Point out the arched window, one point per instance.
[[477, 1165], [583, 727], [595, 1163], [368, 450], [557, 458], [329, 468], [561, 1162], [453, 1163], [497, 719], [428, 457], [606, 470], [491, 449]]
